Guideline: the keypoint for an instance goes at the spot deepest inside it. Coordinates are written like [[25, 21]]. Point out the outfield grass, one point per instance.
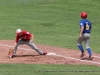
[[53, 22]]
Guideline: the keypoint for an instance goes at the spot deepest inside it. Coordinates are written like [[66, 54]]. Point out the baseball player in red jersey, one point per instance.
[[25, 37]]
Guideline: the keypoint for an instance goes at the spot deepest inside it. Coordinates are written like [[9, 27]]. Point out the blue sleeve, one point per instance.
[[81, 23]]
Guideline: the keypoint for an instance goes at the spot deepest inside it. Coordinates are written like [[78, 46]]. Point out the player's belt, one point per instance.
[[86, 32]]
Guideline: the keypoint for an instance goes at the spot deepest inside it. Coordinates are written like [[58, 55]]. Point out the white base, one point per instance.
[[50, 53]]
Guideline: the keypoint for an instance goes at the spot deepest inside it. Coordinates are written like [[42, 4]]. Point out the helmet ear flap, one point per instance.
[[83, 15]]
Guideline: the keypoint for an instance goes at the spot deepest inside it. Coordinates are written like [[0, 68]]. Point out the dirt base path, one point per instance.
[[25, 55]]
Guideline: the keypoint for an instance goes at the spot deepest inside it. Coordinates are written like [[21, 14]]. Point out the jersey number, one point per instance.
[[87, 26]]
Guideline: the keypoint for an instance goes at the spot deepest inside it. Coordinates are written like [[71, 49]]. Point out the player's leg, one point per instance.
[[33, 46], [20, 42], [79, 41], [87, 40]]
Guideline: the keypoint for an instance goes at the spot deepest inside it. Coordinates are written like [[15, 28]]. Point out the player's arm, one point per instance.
[[15, 45], [81, 31], [32, 37], [16, 41]]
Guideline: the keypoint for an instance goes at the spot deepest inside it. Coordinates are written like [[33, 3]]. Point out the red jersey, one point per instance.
[[26, 36]]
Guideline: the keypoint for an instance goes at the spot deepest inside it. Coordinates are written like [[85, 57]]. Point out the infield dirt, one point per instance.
[[26, 55]]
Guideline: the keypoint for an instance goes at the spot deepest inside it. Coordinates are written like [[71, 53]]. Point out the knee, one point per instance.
[[87, 47], [78, 44]]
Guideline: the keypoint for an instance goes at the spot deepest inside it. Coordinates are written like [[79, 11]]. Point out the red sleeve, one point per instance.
[[28, 35], [17, 38]]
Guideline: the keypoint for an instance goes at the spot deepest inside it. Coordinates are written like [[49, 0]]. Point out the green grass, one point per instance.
[[53, 22], [34, 69]]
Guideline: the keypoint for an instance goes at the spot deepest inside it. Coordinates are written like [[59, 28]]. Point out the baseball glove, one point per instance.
[[11, 52]]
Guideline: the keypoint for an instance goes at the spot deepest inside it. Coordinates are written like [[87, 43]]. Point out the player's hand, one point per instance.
[[80, 36]]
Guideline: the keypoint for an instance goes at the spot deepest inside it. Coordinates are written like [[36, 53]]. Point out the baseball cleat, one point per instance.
[[44, 53], [83, 54], [12, 56], [9, 56], [90, 58]]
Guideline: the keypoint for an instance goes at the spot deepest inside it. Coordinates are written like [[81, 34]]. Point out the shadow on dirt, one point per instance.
[[27, 55]]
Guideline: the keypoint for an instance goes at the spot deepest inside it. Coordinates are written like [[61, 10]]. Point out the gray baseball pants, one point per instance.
[[85, 38], [29, 43]]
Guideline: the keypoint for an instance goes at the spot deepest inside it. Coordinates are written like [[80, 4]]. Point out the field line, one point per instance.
[[18, 47], [54, 54]]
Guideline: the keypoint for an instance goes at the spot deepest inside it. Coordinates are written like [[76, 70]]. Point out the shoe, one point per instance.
[[90, 57], [12, 56], [44, 53], [83, 54]]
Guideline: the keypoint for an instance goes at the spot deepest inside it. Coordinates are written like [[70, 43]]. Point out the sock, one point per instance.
[[89, 51], [81, 48]]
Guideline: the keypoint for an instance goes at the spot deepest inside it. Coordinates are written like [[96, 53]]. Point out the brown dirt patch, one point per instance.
[[29, 56]]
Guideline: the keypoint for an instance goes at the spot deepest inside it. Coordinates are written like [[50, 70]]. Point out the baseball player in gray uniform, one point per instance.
[[85, 29]]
